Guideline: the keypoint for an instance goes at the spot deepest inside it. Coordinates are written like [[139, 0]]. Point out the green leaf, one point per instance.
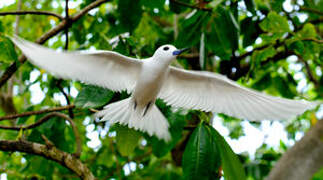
[[129, 17], [231, 165], [7, 52], [250, 5], [223, 35], [250, 31], [198, 159], [275, 23], [308, 31], [262, 55], [177, 8], [127, 139], [93, 96], [191, 29]]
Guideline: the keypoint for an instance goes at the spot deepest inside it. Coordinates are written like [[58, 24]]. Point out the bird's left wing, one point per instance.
[[103, 68], [213, 92]]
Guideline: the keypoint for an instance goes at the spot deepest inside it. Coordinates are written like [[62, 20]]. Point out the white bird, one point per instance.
[[152, 78]]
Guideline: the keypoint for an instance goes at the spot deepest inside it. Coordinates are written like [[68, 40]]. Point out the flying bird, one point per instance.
[[152, 78]]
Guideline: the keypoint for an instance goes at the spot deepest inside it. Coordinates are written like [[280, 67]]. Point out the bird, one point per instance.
[[154, 78]]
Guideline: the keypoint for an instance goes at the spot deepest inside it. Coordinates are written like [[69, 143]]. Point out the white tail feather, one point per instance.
[[122, 112]]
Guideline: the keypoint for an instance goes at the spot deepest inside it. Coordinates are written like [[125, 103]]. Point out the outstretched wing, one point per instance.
[[103, 68], [213, 92]]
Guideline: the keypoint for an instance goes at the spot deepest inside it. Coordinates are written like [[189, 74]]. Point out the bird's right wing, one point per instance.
[[103, 68]]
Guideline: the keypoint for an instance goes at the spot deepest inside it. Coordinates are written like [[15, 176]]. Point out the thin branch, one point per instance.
[[60, 27], [14, 116], [66, 29], [309, 72], [45, 119], [315, 11], [52, 153], [191, 6], [31, 12]]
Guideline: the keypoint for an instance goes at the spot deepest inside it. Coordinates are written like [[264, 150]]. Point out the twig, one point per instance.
[[45, 119], [65, 159], [319, 41], [309, 72], [66, 29], [14, 67], [14, 116], [315, 11], [32, 12]]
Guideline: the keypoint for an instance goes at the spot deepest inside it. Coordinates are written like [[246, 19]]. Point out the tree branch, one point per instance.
[[305, 157], [65, 159], [45, 119], [32, 12], [60, 27], [14, 116], [315, 11]]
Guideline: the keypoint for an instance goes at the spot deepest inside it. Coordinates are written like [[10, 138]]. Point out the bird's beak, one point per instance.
[[180, 51]]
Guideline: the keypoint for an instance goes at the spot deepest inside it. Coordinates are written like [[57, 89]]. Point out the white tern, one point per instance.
[[152, 78]]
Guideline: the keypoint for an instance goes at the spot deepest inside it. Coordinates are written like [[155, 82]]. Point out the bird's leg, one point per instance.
[[146, 109], [135, 106]]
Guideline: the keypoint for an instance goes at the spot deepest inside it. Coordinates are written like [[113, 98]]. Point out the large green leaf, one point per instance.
[[199, 160], [231, 165], [127, 139], [93, 96], [130, 14], [223, 35]]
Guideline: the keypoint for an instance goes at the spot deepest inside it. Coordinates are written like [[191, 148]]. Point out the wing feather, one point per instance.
[[103, 68], [213, 92]]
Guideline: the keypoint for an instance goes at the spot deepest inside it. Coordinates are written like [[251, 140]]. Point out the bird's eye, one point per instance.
[[166, 48]]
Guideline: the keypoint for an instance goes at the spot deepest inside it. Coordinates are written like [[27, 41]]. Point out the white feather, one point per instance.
[[103, 68], [213, 92]]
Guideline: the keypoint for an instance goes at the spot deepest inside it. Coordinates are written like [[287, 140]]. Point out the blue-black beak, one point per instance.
[[180, 51]]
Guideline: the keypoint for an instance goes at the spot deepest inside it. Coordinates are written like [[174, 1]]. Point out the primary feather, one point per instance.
[[213, 92], [103, 68]]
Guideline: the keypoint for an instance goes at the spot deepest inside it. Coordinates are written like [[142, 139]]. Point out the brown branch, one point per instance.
[[45, 119], [32, 12], [315, 11], [52, 153], [60, 27], [191, 6], [309, 72], [14, 116], [305, 157]]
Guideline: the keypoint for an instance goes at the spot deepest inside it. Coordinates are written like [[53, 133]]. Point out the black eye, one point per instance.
[[166, 48]]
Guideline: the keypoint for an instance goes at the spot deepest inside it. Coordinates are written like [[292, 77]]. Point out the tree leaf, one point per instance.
[[129, 17], [231, 165], [7, 53], [93, 96], [275, 23], [198, 162], [127, 139]]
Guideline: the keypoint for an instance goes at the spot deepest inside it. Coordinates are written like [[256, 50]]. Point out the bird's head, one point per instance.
[[168, 52]]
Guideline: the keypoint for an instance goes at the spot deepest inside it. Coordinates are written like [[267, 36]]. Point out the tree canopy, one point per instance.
[[47, 127]]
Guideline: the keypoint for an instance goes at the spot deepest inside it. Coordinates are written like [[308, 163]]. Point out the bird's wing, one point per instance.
[[213, 92], [103, 68]]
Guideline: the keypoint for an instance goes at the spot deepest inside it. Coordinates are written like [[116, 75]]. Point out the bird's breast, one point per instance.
[[149, 83]]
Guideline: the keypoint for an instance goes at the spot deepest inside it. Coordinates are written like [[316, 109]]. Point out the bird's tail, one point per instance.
[[123, 112]]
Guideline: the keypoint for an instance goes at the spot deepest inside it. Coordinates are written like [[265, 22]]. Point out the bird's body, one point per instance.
[[153, 78], [149, 83]]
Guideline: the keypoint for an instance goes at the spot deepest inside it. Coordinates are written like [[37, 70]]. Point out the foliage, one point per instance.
[[258, 43]]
